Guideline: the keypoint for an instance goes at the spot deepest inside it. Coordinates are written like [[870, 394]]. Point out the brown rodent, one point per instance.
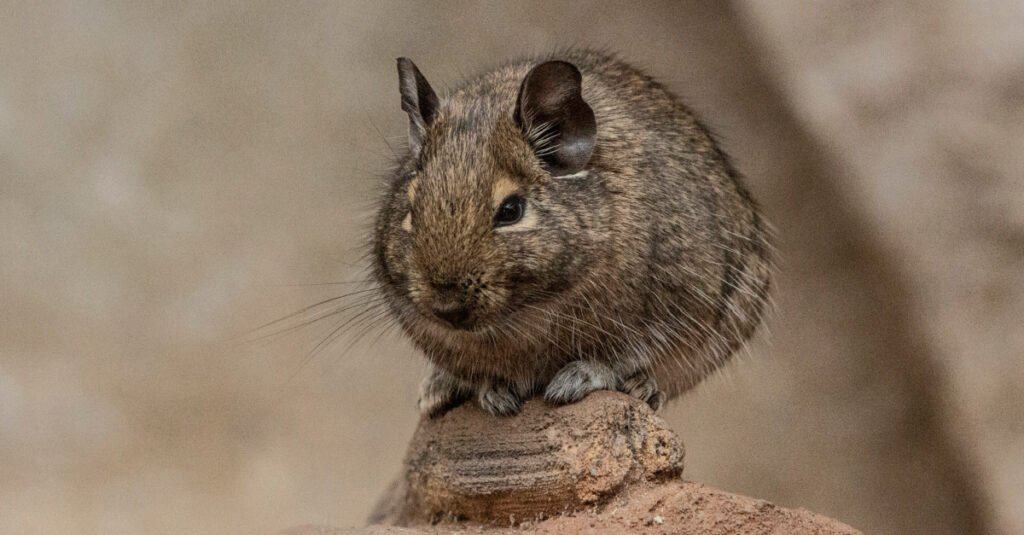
[[565, 225]]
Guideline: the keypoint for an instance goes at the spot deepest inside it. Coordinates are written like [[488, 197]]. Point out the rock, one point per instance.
[[605, 465], [670, 507], [469, 465], [688, 507]]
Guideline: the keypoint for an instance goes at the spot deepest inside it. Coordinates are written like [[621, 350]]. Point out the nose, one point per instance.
[[455, 315]]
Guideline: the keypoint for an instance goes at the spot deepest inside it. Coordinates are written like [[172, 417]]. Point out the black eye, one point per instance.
[[510, 211]]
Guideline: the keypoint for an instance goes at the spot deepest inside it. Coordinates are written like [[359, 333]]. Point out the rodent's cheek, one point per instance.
[[492, 300], [397, 263], [416, 288], [539, 251], [527, 262]]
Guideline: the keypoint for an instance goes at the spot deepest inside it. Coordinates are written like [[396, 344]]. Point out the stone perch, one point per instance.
[[469, 465], [604, 465]]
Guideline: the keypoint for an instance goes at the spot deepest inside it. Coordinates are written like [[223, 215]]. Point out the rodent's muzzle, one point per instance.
[[455, 316], [452, 304]]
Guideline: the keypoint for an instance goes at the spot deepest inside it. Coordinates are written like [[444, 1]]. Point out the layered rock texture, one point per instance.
[[604, 465]]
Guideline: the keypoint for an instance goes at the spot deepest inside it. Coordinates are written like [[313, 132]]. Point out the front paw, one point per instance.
[[439, 392], [644, 388], [499, 398], [577, 379]]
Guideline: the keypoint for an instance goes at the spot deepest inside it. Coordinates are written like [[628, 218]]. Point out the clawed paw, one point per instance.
[[499, 399], [577, 379], [644, 388], [439, 393]]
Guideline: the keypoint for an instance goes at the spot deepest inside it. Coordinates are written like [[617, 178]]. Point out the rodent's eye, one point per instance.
[[510, 211]]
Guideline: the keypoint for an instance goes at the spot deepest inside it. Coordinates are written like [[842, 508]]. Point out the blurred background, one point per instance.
[[173, 175]]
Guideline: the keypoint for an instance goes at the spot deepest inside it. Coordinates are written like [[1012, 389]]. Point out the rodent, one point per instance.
[[561, 225]]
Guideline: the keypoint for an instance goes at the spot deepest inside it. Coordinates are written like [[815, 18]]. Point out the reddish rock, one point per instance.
[[604, 465]]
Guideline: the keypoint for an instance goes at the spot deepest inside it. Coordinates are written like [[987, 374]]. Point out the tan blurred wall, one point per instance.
[[168, 173], [923, 103]]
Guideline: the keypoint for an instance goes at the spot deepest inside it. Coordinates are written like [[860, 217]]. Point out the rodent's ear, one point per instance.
[[555, 119], [418, 100]]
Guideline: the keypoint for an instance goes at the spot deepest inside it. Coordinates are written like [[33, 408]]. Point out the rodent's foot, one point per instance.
[[645, 388], [499, 398], [577, 379], [439, 392]]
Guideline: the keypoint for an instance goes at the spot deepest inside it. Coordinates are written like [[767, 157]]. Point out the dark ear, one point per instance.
[[418, 100], [555, 119]]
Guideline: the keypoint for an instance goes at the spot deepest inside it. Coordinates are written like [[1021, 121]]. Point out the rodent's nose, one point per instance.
[[455, 315]]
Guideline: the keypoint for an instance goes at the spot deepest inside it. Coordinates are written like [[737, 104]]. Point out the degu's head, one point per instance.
[[495, 209]]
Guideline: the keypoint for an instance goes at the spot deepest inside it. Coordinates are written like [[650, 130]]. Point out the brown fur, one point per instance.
[[644, 272]]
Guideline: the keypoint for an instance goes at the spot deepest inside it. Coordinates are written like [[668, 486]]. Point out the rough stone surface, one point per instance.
[[604, 465], [669, 507], [688, 507], [546, 460]]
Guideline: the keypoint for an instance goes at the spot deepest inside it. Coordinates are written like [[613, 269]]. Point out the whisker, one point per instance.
[[308, 308], [323, 343], [365, 301], [339, 283]]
